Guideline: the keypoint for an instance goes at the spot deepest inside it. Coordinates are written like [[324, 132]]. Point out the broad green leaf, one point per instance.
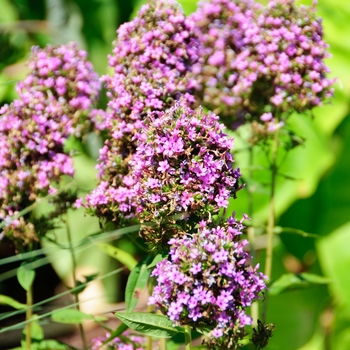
[[306, 164], [156, 326], [334, 257], [315, 343], [25, 277], [157, 259], [292, 281], [123, 257], [36, 331], [5, 300], [72, 316], [137, 281]]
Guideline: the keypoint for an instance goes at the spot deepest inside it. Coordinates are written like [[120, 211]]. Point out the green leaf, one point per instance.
[[137, 281], [123, 257], [156, 326], [25, 277], [5, 300], [52, 345], [71, 316], [36, 331], [334, 257], [292, 281], [278, 230], [157, 259], [121, 329]]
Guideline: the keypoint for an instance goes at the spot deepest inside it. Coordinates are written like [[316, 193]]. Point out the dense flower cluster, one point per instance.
[[126, 342], [207, 280], [182, 164], [261, 60], [151, 61], [55, 100]]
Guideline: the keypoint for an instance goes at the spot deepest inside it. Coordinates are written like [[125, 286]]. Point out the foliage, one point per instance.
[[311, 191]]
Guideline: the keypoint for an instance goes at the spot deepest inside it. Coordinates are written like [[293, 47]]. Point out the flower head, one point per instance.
[[151, 62], [183, 164], [55, 101], [207, 280], [127, 342], [260, 60]]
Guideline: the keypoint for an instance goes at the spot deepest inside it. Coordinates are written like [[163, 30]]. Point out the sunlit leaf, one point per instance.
[[156, 326]]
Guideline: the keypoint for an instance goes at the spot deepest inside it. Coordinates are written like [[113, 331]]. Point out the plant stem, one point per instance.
[[162, 343], [28, 317], [271, 218], [254, 310], [150, 310], [74, 267], [188, 338]]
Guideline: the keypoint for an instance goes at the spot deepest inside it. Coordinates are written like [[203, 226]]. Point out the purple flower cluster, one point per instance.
[[260, 60], [54, 102], [152, 57], [126, 342], [151, 62], [182, 164], [207, 280]]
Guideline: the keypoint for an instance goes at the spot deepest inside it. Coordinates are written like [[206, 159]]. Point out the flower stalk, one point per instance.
[[188, 337], [29, 313], [74, 268], [271, 218]]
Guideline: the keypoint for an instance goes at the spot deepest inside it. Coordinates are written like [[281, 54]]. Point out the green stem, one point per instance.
[[28, 317], [254, 310], [150, 310], [162, 343], [271, 218], [74, 267], [188, 338]]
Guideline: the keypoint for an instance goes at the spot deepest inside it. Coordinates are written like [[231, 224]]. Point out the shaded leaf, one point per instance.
[[334, 257], [292, 281], [71, 316], [120, 330], [137, 281], [36, 331], [278, 230], [157, 259], [25, 277], [52, 345], [123, 257], [5, 300], [156, 326]]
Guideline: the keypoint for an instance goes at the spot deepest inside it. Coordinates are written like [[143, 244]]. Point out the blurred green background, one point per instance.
[[317, 201]]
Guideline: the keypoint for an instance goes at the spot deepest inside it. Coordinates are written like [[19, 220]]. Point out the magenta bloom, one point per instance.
[[207, 281], [182, 165], [261, 60], [151, 61], [55, 102]]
